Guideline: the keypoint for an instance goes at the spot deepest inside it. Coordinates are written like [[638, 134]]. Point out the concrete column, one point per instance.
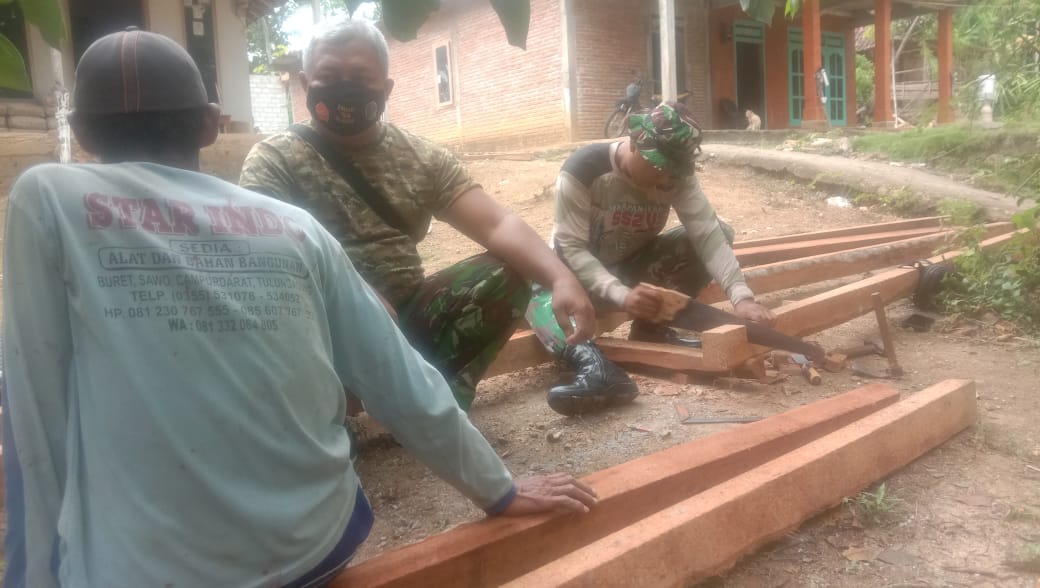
[[570, 70], [814, 116], [945, 55], [669, 82], [883, 64]]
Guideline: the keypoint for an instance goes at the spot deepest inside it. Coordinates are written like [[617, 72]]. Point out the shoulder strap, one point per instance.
[[353, 176]]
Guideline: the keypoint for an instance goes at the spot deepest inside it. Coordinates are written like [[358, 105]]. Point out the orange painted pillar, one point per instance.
[[945, 55], [883, 63], [814, 116]]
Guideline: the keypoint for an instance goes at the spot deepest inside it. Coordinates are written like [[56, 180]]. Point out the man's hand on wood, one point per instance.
[[753, 311], [560, 492], [643, 302]]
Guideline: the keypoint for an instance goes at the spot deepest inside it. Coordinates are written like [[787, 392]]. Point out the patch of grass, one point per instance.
[[962, 213], [902, 202], [1005, 281], [1026, 559], [1006, 159], [873, 508], [1023, 513]]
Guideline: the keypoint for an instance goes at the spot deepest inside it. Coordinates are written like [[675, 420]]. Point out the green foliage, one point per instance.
[[864, 80], [1005, 281], [46, 16], [1026, 559], [902, 202], [516, 18], [873, 508], [265, 36], [1006, 159], [403, 18], [12, 68], [760, 10], [962, 213], [1000, 37]]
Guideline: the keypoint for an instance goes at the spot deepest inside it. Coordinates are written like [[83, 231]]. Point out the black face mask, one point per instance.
[[346, 107]]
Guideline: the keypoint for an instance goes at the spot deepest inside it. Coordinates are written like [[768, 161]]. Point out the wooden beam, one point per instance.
[[671, 357], [932, 222], [799, 319], [493, 551], [944, 52], [843, 304], [706, 534], [726, 347], [750, 256], [828, 266]]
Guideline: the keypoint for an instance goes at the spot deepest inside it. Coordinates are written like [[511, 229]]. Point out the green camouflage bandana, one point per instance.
[[667, 137]]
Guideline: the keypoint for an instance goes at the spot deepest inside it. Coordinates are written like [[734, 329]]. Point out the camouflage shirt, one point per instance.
[[419, 179]]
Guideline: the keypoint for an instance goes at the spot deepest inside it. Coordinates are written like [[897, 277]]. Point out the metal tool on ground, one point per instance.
[[808, 370], [719, 420], [679, 310], [871, 346], [886, 335], [866, 371]]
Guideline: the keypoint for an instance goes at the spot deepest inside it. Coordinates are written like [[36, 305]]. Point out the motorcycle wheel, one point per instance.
[[617, 124]]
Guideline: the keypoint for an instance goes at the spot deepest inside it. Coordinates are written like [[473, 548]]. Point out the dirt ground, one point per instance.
[[959, 516]]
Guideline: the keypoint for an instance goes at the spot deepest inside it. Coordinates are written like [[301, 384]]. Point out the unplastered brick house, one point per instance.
[[461, 84]]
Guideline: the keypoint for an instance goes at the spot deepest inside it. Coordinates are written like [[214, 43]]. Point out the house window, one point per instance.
[[12, 26], [442, 70]]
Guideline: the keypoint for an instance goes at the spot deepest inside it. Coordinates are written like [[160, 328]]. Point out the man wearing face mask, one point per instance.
[[375, 187], [612, 204]]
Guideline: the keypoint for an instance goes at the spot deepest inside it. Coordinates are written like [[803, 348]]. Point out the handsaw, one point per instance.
[[679, 310]]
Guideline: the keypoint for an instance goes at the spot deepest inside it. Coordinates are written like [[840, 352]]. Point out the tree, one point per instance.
[[264, 37], [1001, 38]]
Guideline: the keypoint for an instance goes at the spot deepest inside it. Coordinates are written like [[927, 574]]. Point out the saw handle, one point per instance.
[[811, 374]]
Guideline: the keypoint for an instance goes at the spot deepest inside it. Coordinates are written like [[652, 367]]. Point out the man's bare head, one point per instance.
[[340, 33]]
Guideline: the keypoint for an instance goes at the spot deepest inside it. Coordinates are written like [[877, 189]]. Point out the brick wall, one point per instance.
[[270, 103], [297, 99], [698, 59], [504, 97], [612, 43]]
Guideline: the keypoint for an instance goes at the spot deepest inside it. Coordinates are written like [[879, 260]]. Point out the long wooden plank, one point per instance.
[[493, 551], [799, 319], [900, 225], [780, 275], [843, 304], [706, 534], [672, 357], [781, 252]]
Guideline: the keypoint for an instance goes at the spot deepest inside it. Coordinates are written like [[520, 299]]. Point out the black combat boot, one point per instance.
[[598, 383]]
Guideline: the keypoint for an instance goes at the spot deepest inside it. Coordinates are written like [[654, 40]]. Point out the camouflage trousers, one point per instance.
[[461, 316], [669, 261]]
